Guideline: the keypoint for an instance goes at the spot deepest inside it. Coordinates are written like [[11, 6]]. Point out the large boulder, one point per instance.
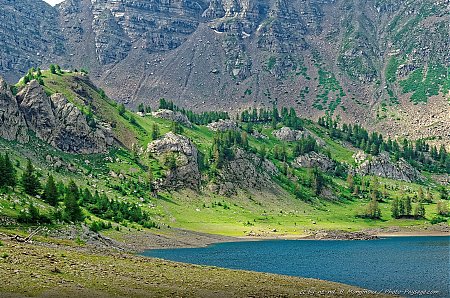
[[172, 116], [244, 171], [291, 135], [382, 166], [186, 173], [60, 123], [315, 160], [223, 125], [12, 123]]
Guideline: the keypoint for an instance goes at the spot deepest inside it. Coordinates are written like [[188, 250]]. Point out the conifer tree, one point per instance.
[[419, 211], [408, 206], [155, 131], [72, 210], [30, 181], [395, 208], [121, 109], [350, 182], [50, 194]]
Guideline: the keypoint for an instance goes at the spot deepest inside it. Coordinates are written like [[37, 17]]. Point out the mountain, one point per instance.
[[379, 63]]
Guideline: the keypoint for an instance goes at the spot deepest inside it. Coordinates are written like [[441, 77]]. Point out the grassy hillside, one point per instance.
[[122, 176]]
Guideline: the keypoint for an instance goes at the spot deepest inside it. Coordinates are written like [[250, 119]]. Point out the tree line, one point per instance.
[[288, 117], [67, 200], [203, 118], [418, 153]]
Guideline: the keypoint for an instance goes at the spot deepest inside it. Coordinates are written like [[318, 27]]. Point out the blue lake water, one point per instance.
[[403, 265]]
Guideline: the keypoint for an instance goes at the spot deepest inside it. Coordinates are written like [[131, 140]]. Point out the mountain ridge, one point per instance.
[[374, 63]]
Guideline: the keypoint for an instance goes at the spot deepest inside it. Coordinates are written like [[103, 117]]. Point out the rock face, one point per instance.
[[254, 51], [223, 125], [172, 116], [314, 159], [383, 166], [53, 120], [245, 171], [186, 173], [30, 27], [72, 132], [12, 122]]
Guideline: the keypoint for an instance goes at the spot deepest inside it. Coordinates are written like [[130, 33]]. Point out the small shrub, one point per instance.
[[437, 220]]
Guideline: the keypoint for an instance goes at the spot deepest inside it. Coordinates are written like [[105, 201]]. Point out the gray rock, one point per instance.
[[12, 122], [245, 171], [291, 135], [314, 159], [223, 125], [187, 173], [382, 166], [60, 123], [256, 134], [172, 116]]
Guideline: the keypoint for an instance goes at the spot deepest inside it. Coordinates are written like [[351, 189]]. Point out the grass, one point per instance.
[[37, 270], [259, 212]]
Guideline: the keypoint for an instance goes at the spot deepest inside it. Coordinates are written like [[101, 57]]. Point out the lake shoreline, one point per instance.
[[179, 238]]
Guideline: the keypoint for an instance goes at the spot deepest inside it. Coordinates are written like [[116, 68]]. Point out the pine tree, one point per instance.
[[395, 208], [155, 131], [420, 195], [50, 194], [408, 206], [9, 173], [72, 210], [401, 207], [2, 172], [53, 68], [121, 109], [443, 193], [350, 182], [317, 181], [176, 128], [30, 181], [419, 211], [442, 208], [373, 211]]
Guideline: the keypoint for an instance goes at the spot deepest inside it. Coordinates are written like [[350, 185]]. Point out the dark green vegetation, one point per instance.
[[418, 153], [122, 188]]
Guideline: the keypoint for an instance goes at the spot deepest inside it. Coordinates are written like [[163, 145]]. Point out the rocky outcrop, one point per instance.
[[172, 116], [258, 135], [244, 171], [315, 160], [37, 109], [53, 120], [12, 122], [291, 135], [72, 132], [223, 125], [382, 166], [288, 134], [186, 173]]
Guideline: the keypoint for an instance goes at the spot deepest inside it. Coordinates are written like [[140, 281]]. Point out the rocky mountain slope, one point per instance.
[[53, 119], [380, 62]]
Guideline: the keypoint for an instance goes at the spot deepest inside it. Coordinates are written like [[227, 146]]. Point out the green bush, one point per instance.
[[437, 219]]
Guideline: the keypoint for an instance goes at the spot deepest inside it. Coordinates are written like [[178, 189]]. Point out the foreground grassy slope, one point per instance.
[[28, 270]]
